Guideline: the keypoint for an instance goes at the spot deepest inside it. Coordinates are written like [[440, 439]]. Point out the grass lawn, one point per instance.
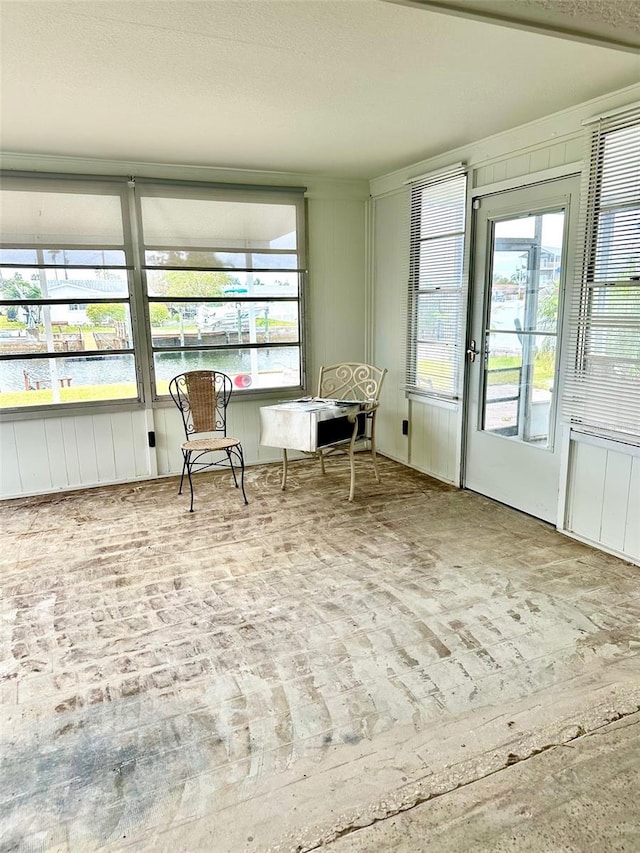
[[543, 372], [84, 393], [439, 373]]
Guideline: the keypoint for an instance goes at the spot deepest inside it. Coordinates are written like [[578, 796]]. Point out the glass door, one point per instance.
[[513, 379]]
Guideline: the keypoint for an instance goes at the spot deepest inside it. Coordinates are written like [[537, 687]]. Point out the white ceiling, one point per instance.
[[353, 88], [605, 22]]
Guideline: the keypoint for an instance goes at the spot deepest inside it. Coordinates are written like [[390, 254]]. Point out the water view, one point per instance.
[[275, 367]]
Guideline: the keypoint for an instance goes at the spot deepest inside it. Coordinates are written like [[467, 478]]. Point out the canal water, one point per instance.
[[114, 369]]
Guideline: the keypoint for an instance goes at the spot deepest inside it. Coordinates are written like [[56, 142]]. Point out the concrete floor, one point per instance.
[[576, 797], [276, 676]]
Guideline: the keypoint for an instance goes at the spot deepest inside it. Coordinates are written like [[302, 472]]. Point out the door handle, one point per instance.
[[472, 351]]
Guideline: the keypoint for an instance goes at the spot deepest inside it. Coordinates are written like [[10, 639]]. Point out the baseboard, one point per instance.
[[600, 547]]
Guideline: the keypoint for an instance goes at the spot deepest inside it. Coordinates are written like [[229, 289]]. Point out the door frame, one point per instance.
[[551, 177]]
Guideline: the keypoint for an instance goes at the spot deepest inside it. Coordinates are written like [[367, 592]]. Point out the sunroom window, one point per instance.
[[110, 287], [603, 370], [223, 280], [65, 314], [436, 280]]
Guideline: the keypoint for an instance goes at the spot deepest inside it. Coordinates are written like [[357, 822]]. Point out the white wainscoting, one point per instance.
[[243, 422], [55, 454], [603, 494], [58, 454], [434, 440]]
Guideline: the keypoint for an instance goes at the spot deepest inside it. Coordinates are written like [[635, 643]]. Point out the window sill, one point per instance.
[[439, 402], [70, 410]]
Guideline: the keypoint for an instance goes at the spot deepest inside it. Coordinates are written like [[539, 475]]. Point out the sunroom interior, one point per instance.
[[251, 186]]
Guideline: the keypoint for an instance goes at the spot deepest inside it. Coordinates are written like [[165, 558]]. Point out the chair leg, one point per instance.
[[352, 463], [187, 462], [241, 455], [237, 452], [184, 465], [374, 458], [233, 470], [352, 457], [284, 469], [321, 455]]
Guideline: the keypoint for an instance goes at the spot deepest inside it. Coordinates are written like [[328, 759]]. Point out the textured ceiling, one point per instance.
[[349, 89], [615, 23]]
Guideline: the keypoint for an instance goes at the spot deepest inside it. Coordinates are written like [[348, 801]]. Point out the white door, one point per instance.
[[524, 243]]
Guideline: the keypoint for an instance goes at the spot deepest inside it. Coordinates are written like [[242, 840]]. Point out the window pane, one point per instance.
[[63, 284], [227, 260], [35, 382], [64, 256], [435, 285], [275, 367], [620, 183], [190, 283], [285, 284], [194, 324], [519, 380], [618, 245], [181, 283], [53, 218], [196, 223], [435, 367], [526, 264], [519, 386], [437, 316], [28, 328], [614, 332], [502, 393], [441, 262], [442, 207]]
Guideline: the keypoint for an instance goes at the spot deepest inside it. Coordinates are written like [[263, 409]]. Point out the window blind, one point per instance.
[[436, 274], [602, 388]]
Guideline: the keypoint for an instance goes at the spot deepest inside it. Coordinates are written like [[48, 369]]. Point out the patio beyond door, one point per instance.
[[513, 382]]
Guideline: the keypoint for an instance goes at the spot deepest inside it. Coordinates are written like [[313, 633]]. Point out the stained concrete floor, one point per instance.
[[277, 676], [579, 796]]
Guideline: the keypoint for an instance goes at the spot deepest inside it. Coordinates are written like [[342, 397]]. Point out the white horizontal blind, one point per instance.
[[436, 274], [603, 370]]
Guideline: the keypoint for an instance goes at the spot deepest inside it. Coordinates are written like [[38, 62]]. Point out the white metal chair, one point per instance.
[[361, 383]]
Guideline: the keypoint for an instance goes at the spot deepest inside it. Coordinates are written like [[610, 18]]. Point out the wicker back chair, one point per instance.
[[202, 396], [361, 383]]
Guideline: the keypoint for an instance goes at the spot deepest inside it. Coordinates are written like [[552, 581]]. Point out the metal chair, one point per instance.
[[361, 383], [202, 397]]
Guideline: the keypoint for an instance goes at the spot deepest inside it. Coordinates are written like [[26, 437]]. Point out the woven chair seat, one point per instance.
[[202, 444], [202, 396]]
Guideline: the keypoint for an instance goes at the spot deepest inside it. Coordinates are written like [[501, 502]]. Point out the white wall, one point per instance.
[[389, 317], [62, 451], [542, 150]]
